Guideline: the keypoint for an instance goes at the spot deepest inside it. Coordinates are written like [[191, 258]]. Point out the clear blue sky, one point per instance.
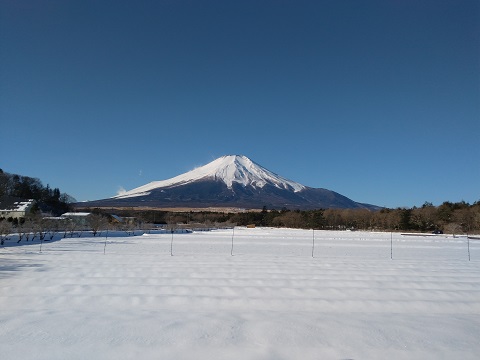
[[377, 100]]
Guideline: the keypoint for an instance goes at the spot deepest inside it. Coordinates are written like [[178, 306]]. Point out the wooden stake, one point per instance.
[[313, 242], [468, 246], [391, 246], [233, 234], [105, 246]]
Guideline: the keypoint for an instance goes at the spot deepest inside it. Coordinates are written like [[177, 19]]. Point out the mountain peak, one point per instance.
[[240, 169], [229, 169], [231, 181]]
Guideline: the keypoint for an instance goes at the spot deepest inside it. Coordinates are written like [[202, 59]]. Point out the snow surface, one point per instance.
[[271, 300], [229, 169]]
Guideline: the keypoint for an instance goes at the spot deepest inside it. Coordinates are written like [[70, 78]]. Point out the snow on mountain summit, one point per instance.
[[229, 169], [242, 170]]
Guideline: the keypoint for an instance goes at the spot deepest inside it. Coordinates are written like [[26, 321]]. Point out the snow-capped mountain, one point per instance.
[[229, 181], [229, 169]]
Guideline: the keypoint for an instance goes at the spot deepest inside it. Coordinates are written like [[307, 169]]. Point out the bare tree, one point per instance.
[[5, 229], [424, 218], [53, 228], [476, 218], [464, 217], [38, 226], [129, 226], [453, 228], [289, 219], [70, 227], [22, 230], [97, 222]]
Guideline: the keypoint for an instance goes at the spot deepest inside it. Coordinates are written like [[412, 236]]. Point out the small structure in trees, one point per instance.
[[81, 219], [15, 208]]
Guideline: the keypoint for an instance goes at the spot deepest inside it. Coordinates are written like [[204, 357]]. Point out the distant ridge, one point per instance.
[[229, 181]]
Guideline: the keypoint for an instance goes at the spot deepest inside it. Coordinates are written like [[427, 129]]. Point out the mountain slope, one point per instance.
[[229, 181], [228, 169]]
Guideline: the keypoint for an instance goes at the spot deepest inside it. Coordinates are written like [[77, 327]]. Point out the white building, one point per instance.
[[79, 218], [12, 207]]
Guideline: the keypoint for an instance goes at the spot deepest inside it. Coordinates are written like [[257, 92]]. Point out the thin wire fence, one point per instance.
[[239, 241]]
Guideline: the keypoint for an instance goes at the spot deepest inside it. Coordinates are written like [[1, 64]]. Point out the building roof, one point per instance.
[[116, 217], [76, 214], [11, 203]]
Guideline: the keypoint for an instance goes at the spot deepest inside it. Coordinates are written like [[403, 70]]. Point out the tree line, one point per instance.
[[47, 199], [460, 217], [449, 217]]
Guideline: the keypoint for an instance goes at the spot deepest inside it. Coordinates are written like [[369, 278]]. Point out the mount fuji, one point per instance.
[[229, 181]]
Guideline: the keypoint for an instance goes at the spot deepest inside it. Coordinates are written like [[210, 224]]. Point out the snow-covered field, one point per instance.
[[270, 300]]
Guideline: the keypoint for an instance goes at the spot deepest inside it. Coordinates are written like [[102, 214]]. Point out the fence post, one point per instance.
[[313, 242], [105, 246], [233, 234], [391, 245], [468, 247]]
